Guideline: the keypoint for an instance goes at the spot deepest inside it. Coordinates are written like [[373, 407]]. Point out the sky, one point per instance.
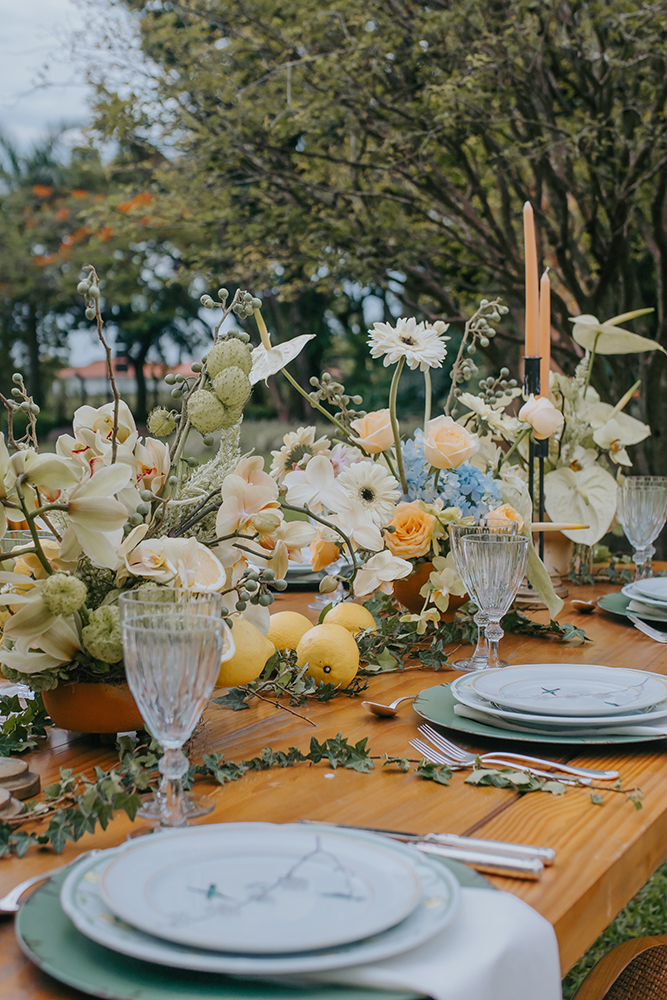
[[33, 35]]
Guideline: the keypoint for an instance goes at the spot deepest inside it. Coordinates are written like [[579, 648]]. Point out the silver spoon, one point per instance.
[[583, 607], [386, 711]]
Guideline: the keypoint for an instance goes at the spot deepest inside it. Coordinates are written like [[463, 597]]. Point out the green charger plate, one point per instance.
[[436, 704], [617, 604], [50, 940]]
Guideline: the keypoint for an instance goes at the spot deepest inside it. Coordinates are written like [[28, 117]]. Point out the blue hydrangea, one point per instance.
[[466, 487]]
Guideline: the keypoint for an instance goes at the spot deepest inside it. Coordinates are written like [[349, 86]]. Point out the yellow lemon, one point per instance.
[[210, 574], [331, 653], [286, 629], [353, 617], [252, 652]]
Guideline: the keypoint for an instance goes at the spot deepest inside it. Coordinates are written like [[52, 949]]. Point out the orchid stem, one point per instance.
[[393, 393], [39, 551], [590, 366]]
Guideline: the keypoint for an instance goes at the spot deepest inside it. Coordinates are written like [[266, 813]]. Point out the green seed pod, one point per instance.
[[170, 379], [265, 600], [256, 303], [83, 288], [230, 353], [146, 496], [34, 408], [484, 341], [94, 292], [17, 392], [223, 294], [173, 480], [196, 366], [208, 440], [17, 377], [192, 462], [232, 387], [268, 575], [142, 509], [135, 519], [251, 586], [176, 394], [241, 605], [206, 412], [247, 297], [90, 312], [280, 584]]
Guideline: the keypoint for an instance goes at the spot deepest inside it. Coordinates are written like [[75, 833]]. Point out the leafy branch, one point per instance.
[[21, 727]]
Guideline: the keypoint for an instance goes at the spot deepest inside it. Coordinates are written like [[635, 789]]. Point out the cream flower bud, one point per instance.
[[63, 594], [328, 584], [448, 444], [161, 422], [542, 416], [267, 521], [102, 636], [373, 432]]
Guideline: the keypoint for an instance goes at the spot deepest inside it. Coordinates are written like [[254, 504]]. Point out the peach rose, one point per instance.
[[414, 530], [447, 444], [505, 513], [374, 432], [322, 553], [542, 416]]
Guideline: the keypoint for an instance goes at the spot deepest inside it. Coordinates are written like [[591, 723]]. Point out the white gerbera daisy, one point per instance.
[[298, 448], [422, 346], [371, 489]]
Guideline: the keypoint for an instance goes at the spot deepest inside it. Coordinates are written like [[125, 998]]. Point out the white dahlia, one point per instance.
[[372, 489], [422, 346]]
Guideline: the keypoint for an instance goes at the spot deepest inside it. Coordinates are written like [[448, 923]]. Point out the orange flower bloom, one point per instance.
[[414, 530], [322, 553], [42, 190]]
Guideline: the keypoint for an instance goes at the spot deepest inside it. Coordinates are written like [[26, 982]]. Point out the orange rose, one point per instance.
[[503, 514], [373, 431], [414, 529], [322, 553]]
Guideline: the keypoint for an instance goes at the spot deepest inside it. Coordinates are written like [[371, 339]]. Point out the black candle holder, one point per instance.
[[536, 449]]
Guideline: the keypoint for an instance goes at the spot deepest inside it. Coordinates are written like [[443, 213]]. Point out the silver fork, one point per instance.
[[10, 902], [440, 758], [652, 633], [464, 756]]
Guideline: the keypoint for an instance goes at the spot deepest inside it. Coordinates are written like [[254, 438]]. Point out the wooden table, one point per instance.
[[604, 853]]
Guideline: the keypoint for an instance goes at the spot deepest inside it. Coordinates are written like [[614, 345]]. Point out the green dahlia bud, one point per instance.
[[102, 636], [232, 387], [64, 594], [229, 353], [161, 422], [206, 412]]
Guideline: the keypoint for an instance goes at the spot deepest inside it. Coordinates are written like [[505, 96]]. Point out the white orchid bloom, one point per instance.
[[355, 522], [43, 471], [380, 572], [182, 561], [28, 661], [100, 421], [96, 517], [152, 460], [610, 438], [315, 486]]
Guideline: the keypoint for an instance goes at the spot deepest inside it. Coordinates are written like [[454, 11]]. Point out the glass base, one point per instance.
[[194, 805], [470, 664]]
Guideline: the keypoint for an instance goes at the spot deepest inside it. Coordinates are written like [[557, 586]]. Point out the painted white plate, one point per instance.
[[260, 890], [655, 587], [440, 897], [576, 689], [464, 692]]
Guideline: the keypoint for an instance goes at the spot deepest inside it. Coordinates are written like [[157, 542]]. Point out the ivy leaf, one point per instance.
[[555, 787], [434, 657], [439, 773], [400, 763], [596, 798], [236, 699]]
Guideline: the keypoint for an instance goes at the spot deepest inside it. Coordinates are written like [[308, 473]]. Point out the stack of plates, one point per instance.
[[648, 598], [253, 899], [553, 702]]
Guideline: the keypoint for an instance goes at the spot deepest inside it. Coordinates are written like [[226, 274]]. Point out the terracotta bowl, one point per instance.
[[93, 708]]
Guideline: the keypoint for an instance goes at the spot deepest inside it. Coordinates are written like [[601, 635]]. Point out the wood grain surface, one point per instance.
[[604, 853]]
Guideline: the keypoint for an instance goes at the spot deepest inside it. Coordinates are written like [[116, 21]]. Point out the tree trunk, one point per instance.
[[32, 343]]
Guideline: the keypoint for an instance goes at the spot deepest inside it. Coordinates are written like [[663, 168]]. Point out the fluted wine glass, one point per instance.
[[480, 657], [172, 660], [495, 566], [642, 510]]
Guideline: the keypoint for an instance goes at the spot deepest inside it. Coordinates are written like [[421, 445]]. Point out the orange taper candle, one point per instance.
[[545, 333], [532, 349]]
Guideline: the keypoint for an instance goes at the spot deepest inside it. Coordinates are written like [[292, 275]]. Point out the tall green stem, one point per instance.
[[511, 451], [393, 394], [590, 366], [427, 397]]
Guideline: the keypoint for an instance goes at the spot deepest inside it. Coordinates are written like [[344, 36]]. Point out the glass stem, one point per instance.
[[481, 652], [173, 765], [494, 634], [643, 564]]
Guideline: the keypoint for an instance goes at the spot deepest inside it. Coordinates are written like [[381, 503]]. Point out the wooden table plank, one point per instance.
[[604, 853]]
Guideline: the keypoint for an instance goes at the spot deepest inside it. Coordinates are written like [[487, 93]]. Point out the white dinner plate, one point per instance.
[[576, 689], [655, 587], [464, 692], [439, 901], [630, 590], [259, 889]]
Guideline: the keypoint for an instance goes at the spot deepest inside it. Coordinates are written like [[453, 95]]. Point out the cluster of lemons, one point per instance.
[[329, 650]]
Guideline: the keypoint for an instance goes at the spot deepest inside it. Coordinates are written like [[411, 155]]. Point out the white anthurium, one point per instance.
[[584, 497], [609, 337], [269, 360]]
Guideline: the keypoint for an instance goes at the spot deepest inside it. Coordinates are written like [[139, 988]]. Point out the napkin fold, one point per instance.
[[496, 948], [492, 720], [639, 608]]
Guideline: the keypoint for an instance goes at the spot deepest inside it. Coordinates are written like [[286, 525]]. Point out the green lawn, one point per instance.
[[644, 916]]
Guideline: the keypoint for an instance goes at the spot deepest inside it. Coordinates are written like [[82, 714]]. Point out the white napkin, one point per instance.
[[639, 608], [496, 948], [619, 730]]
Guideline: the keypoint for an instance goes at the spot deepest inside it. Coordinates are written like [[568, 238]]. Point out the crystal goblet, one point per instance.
[[172, 661], [495, 565], [642, 510], [480, 657]]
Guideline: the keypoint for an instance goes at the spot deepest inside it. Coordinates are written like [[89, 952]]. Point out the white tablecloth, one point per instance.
[[496, 948]]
